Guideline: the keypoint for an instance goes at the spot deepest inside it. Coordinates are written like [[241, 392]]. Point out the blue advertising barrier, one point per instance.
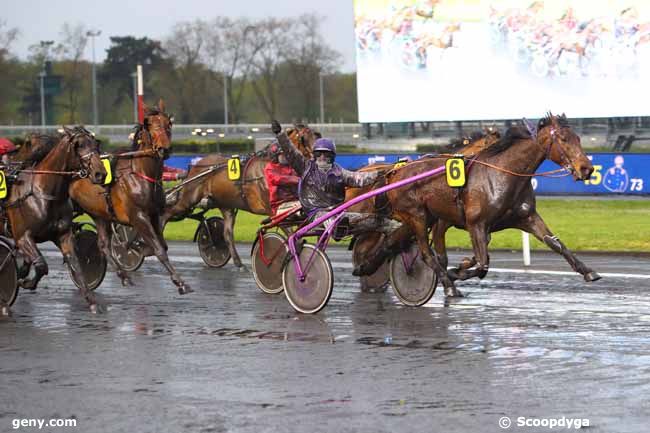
[[614, 173]]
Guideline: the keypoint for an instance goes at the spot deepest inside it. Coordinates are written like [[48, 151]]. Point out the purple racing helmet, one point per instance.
[[325, 144]]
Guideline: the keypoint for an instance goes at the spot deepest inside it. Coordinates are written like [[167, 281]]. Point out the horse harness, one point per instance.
[[146, 153]]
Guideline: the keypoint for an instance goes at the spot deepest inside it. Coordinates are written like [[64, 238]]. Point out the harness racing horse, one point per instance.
[[250, 193], [39, 209], [367, 243], [34, 148], [498, 195], [135, 197]]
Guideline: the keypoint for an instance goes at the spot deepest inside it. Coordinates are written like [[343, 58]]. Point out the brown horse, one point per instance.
[[369, 243], [34, 148], [135, 197], [250, 193], [497, 196], [39, 209]]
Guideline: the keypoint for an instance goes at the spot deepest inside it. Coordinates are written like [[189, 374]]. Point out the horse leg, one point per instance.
[[229, 217], [396, 242], [480, 240], [104, 234], [438, 231], [419, 228], [34, 257], [536, 226], [144, 226], [65, 242]]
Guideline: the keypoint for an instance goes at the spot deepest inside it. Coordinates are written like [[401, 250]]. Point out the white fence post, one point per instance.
[[525, 247]]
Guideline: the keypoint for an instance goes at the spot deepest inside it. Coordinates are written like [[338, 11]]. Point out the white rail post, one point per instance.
[[525, 247]]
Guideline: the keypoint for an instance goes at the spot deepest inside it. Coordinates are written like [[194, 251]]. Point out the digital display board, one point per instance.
[[489, 59]]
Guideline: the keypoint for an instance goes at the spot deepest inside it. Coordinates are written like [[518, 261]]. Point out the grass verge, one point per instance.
[[583, 225]]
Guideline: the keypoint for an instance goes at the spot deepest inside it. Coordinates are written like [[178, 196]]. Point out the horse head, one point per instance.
[[83, 154], [156, 130], [35, 147], [563, 147], [303, 138]]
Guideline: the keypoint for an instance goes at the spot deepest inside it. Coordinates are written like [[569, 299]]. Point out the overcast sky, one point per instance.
[[42, 19]]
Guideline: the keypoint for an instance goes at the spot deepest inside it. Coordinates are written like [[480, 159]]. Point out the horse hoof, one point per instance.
[[27, 284], [93, 308], [454, 293], [592, 276], [453, 274], [242, 268], [184, 289], [5, 311]]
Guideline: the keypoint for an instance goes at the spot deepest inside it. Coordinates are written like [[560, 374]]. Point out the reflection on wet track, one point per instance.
[[230, 358]]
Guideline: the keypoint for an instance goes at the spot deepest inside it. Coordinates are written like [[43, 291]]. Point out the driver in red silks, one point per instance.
[[282, 181], [6, 148]]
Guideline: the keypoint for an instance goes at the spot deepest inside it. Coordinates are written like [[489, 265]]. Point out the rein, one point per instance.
[[81, 173], [551, 173]]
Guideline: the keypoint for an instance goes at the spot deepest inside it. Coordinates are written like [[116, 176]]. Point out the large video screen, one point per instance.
[[488, 59]]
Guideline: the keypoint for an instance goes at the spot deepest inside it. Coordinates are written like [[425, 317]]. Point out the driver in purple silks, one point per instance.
[[323, 182]]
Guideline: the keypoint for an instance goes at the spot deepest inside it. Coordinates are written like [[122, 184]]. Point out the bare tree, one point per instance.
[[190, 81], [230, 49], [310, 57], [70, 51], [8, 68], [7, 37], [272, 36]]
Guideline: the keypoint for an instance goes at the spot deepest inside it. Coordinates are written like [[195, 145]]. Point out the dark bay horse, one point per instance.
[[250, 193], [135, 197], [39, 209], [371, 242], [497, 196], [34, 148]]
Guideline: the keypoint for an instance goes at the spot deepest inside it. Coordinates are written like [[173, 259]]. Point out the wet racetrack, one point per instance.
[[230, 358]]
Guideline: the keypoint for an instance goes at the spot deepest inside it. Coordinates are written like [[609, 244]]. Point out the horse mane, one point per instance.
[[548, 120], [512, 135], [35, 155], [456, 144]]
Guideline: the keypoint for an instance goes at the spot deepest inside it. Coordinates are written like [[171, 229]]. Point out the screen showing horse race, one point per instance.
[[501, 59]]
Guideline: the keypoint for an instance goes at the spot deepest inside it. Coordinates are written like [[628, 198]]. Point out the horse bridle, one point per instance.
[[154, 137], [563, 156], [84, 158]]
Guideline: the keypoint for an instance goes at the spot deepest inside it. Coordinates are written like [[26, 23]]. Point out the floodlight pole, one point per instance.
[[322, 103], [42, 77], [92, 34], [134, 76], [225, 99]]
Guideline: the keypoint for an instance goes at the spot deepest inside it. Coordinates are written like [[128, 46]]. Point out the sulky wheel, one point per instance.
[[413, 281], [267, 259], [365, 244], [8, 275], [91, 260], [126, 247], [311, 295], [212, 243]]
